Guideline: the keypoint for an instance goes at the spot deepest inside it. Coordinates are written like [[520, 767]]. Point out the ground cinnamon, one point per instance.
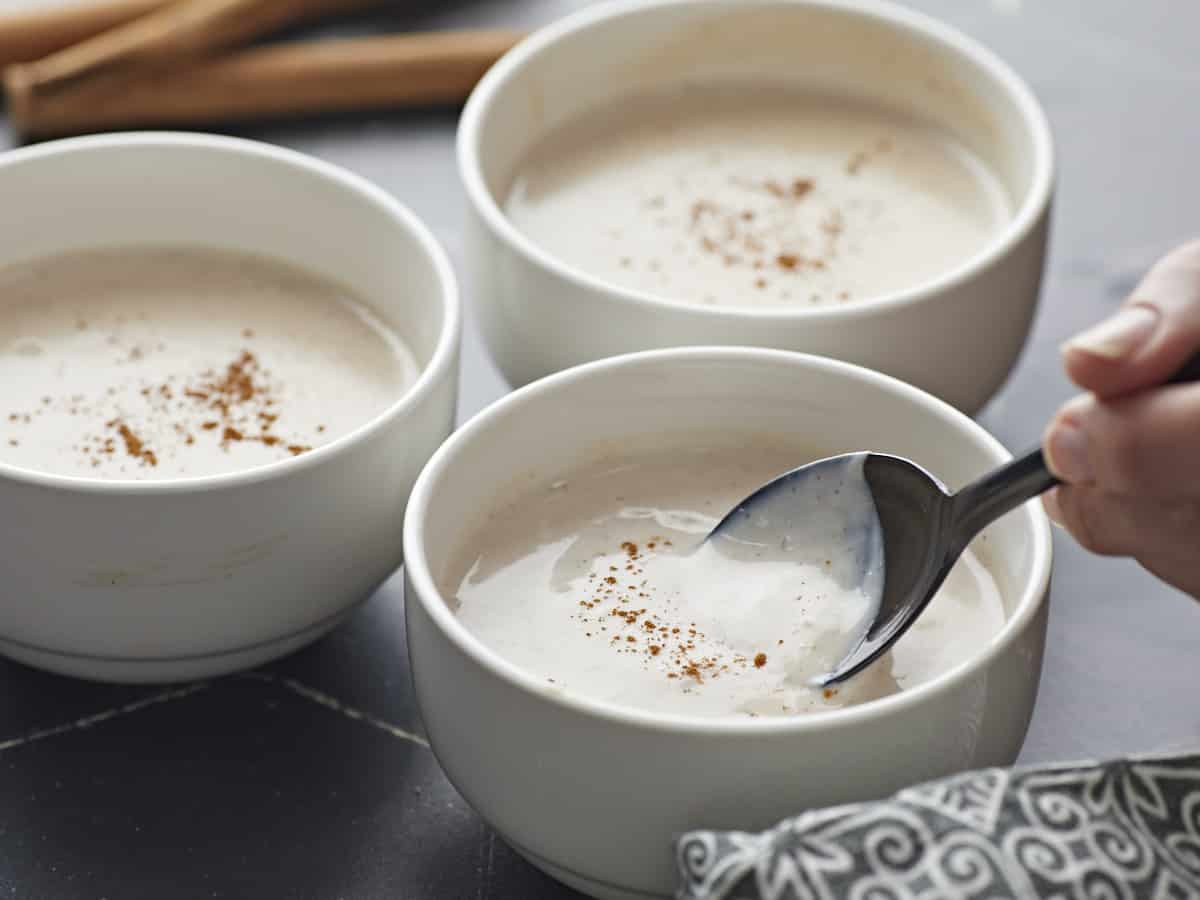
[[235, 404], [674, 641], [134, 445], [741, 237]]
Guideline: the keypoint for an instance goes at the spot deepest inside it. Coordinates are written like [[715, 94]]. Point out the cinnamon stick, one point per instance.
[[170, 36], [286, 80], [31, 34]]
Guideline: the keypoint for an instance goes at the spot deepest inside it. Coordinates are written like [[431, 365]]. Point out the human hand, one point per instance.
[[1128, 451]]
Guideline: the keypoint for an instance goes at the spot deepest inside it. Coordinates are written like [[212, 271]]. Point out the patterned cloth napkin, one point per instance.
[[1128, 828]]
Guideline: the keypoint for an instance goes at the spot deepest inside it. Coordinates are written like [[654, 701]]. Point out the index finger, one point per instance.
[[1153, 334]]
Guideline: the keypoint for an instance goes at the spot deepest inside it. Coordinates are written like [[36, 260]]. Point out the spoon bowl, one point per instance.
[[894, 529], [924, 529]]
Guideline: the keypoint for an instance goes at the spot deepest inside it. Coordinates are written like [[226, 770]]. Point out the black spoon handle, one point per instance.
[[983, 501], [988, 498]]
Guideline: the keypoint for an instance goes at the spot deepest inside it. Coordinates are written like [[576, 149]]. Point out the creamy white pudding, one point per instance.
[[598, 583], [756, 195], [159, 363]]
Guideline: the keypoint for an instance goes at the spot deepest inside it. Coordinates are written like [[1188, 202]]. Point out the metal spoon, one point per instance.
[[922, 527]]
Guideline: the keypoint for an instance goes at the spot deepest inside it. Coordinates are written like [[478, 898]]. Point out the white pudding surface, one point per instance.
[[158, 363], [756, 196], [598, 584]]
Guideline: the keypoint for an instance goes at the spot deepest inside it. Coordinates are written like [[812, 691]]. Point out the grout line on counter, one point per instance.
[[103, 716], [330, 702], [303, 691]]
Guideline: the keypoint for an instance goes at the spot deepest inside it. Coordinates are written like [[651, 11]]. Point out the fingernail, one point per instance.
[[1119, 337], [1053, 510], [1067, 453]]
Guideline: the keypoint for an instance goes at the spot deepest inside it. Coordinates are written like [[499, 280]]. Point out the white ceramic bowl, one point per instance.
[[138, 581], [956, 336], [593, 793]]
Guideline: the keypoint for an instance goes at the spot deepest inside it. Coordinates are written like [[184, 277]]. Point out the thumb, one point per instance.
[[1149, 338]]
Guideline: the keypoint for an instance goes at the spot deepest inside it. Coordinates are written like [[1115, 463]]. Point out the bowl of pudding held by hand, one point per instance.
[[223, 366], [843, 178], [596, 678]]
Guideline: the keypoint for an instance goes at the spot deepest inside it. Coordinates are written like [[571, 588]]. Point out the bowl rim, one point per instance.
[[425, 592], [442, 362], [1034, 205]]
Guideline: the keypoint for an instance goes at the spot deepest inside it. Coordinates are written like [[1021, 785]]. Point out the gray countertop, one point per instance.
[[309, 778]]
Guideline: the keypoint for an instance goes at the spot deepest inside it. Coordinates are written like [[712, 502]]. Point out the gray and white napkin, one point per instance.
[[1128, 828]]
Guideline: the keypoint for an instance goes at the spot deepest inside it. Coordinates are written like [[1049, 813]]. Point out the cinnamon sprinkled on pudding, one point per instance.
[[601, 582], [756, 196], [150, 363], [134, 445]]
